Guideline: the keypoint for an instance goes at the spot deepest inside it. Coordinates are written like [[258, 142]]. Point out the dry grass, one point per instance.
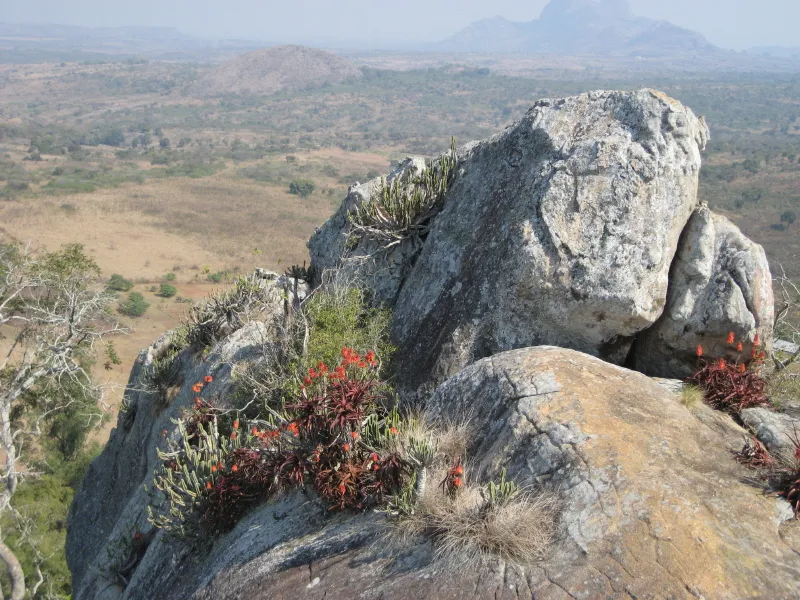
[[467, 530], [691, 395]]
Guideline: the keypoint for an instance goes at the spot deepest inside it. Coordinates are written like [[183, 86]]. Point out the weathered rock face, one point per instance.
[[653, 504], [720, 282], [561, 230]]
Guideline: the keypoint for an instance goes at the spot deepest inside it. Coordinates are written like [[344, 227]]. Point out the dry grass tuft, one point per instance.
[[691, 395], [466, 529]]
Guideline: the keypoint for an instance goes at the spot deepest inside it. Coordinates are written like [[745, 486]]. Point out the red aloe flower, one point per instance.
[[731, 337]]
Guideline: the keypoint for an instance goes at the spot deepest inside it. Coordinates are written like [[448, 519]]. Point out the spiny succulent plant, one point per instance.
[[405, 206]]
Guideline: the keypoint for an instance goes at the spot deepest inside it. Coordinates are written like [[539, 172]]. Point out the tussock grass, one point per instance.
[[466, 527], [691, 395], [467, 530]]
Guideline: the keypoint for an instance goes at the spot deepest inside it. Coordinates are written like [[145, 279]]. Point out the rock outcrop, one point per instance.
[[652, 502], [720, 283], [577, 227], [563, 230]]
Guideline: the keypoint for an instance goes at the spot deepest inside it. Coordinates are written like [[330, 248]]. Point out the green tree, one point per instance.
[[55, 315], [167, 291], [119, 284], [788, 217], [114, 137], [302, 187], [134, 306]]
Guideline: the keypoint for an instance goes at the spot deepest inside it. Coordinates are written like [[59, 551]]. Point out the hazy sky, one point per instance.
[[728, 23]]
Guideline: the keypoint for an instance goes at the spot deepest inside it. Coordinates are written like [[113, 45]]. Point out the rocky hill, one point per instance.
[[603, 27], [530, 276], [269, 70]]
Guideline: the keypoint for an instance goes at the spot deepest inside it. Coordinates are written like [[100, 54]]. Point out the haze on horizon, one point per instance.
[[732, 24]]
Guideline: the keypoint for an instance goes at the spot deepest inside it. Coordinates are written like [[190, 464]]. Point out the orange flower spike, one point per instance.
[[722, 364], [458, 482], [753, 352], [342, 488], [233, 435], [393, 430], [699, 350], [370, 356], [196, 389], [322, 367], [235, 468], [731, 337], [459, 470], [739, 347], [208, 379], [236, 424], [208, 485], [762, 355], [254, 431], [756, 340], [307, 381], [346, 447], [294, 429], [742, 368], [362, 365], [213, 468], [312, 373], [354, 435], [374, 457]]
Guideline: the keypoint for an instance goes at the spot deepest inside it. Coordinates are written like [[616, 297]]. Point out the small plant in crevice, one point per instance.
[[127, 411], [732, 385], [754, 455], [125, 557], [780, 473], [224, 312], [406, 206]]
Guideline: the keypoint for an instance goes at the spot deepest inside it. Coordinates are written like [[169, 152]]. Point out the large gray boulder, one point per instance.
[[560, 230], [720, 283], [652, 503]]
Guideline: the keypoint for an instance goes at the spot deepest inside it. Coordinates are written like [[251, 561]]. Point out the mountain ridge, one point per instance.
[[605, 27]]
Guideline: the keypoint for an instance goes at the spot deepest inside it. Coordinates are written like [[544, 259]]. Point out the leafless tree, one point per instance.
[[53, 312]]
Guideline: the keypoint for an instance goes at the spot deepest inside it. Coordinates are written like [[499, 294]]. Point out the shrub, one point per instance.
[[344, 317], [134, 306], [217, 277], [167, 290], [170, 276], [302, 187], [119, 284]]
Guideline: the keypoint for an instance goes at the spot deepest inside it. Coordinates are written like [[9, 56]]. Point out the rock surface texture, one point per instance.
[[652, 503]]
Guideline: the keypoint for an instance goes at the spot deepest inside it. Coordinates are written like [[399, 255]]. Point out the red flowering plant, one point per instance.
[[732, 384], [330, 437]]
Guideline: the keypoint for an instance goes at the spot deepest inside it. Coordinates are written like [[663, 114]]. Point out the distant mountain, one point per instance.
[[269, 70], [775, 51], [606, 27]]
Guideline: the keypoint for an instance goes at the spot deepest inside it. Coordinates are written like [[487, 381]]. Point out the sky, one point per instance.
[[734, 24]]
